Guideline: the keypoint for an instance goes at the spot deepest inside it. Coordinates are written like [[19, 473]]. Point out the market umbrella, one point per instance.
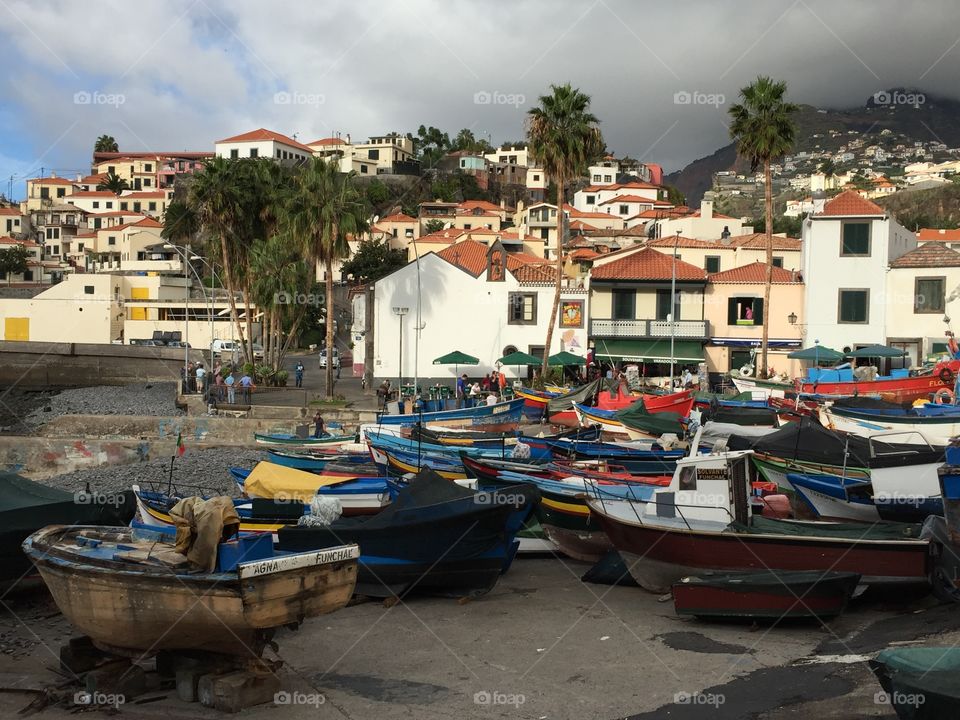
[[566, 358], [817, 353], [877, 351], [519, 358], [456, 358]]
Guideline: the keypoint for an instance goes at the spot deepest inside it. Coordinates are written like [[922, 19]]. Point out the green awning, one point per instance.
[[649, 350]]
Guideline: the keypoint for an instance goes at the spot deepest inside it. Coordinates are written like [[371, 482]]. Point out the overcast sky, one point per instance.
[[179, 74]]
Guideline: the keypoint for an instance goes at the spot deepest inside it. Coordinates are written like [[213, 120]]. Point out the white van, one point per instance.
[[225, 347]]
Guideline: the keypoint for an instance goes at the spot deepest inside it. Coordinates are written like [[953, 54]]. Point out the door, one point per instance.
[[17, 329], [139, 293]]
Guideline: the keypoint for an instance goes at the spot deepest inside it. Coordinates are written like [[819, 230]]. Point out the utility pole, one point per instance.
[[368, 340]]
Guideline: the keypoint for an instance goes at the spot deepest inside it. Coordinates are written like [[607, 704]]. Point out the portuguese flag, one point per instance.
[[180, 448]]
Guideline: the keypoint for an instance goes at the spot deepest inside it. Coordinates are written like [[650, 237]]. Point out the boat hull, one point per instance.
[[765, 595], [292, 441], [502, 417], [658, 557], [898, 390], [144, 612], [937, 430]]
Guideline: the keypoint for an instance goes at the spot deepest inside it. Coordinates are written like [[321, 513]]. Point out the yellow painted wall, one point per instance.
[[16, 328]]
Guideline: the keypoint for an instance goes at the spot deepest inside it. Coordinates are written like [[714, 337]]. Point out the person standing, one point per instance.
[[298, 374], [231, 390], [218, 384], [246, 387], [201, 378], [501, 383], [318, 429], [461, 390]]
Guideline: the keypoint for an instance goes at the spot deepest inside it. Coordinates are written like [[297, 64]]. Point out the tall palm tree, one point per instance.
[[763, 130], [324, 209], [106, 143], [216, 198], [564, 138], [114, 183]]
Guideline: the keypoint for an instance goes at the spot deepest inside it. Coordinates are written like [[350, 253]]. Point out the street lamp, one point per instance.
[[187, 256], [792, 318], [673, 304], [400, 312]]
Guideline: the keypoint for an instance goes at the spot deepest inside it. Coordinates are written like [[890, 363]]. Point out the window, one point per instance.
[[45, 193], [663, 304], [61, 192], [111, 169], [624, 209], [745, 311], [55, 250], [509, 350], [856, 239], [929, 295], [854, 306], [278, 154], [513, 159], [28, 276], [536, 178], [544, 233], [712, 263], [234, 154], [148, 167], [467, 226], [151, 206], [596, 178], [624, 304], [111, 240], [363, 170], [777, 261], [254, 152], [373, 154], [591, 199], [53, 233], [124, 205], [79, 247], [522, 309], [607, 178]]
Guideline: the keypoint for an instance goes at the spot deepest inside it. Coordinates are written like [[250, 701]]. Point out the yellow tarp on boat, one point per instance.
[[268, 480]]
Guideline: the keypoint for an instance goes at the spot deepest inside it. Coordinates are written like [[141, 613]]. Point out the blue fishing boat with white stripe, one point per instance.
[[502, 417], [844, 498], [316, 462]]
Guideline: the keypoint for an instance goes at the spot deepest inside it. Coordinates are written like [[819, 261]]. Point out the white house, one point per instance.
[[705, 224], [590, 198], [480, 300], [604, 172], [12, 221], [509, 154], [846, 250], [265, 144]]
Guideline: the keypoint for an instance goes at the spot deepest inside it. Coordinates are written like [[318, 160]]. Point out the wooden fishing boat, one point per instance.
[[436, 538], [27, 506], [400, 463], [534, 401], [289, 440], [900, 387], [702, 522], [921, 683], [135, 594], [502, 417], [765, 594], [937, 425], [340, 463], [767, 388]]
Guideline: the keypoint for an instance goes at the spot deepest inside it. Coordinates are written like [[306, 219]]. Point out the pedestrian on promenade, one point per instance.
[[231, 389], [218, 382], [247, 387], [298, 374], [318, 429], [201, 378], [461, 390]]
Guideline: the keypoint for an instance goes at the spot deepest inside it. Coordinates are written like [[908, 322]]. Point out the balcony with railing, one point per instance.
[[688, 329]]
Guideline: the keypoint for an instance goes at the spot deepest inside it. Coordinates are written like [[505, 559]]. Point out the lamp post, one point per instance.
[[418, 328], [187, 256], [673, 304], [400, 312]]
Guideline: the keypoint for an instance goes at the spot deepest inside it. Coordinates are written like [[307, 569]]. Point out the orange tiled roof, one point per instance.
[[51, 181], [328, 141], [9, 211], [398, 217], [534, 273], [471, 256], [635, 185], [93, 194], [262, 134], [581, 225], [756, 273], [850, 202], [647, 264], [480, 204], [7, 240], [635, 199], [685, 242], [938, 235], [574, 213], [584, 254], [928, 255], [145, 195], [92, 179], [758, 241], [443, 236]]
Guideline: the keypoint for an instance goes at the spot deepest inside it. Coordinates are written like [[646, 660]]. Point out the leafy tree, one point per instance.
[[378, 194], [106, 143], [828, 168], [114, 183], [14, 261], [763, 130], [466, 140], [433, 226], [791, 226], [373, 260], [324, 209], [431, 144], [564, 138], [674, 196]]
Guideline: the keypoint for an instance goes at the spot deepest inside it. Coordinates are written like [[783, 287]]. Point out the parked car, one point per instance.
[[178, 344], [149, 343], [323, 358], [225, 347], [257, 351]]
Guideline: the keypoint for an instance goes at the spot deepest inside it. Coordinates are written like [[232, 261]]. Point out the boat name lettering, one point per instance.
[[712, 473], [344, 553], [266, 567], [501, 409]]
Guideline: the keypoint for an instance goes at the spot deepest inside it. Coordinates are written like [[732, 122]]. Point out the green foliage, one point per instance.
[[674, 196], [247, 369], [782, 224], [432, 226], [374, 260], [280, 377], [465, 140], [114, 183], [760, 123], [564, 136], [828, 167], [105, 143], [430, 145], [378, 194], [14, 261], [312, 336]]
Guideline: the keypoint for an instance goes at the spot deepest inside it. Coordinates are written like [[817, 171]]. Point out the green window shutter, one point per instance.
[[758, 311], [731, 311]]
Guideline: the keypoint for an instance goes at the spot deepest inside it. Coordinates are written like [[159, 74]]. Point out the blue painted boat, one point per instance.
[[395, 442], [317, 462], [436, 538], [608, 451], [854, 498], [501, 417]]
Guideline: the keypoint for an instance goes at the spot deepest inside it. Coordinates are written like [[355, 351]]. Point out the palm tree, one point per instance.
[[106, 143], [324, 210], [762, 128], [563, 139], [216, 198], [114, 183]]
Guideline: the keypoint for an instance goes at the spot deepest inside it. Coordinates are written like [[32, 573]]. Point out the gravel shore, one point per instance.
[[25, 410], [208, 468]]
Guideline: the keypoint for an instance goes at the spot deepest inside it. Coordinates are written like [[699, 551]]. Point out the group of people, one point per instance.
[[489, 388], [217, 385]]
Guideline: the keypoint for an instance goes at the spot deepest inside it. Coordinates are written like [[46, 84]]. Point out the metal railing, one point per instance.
[[698, 329]]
